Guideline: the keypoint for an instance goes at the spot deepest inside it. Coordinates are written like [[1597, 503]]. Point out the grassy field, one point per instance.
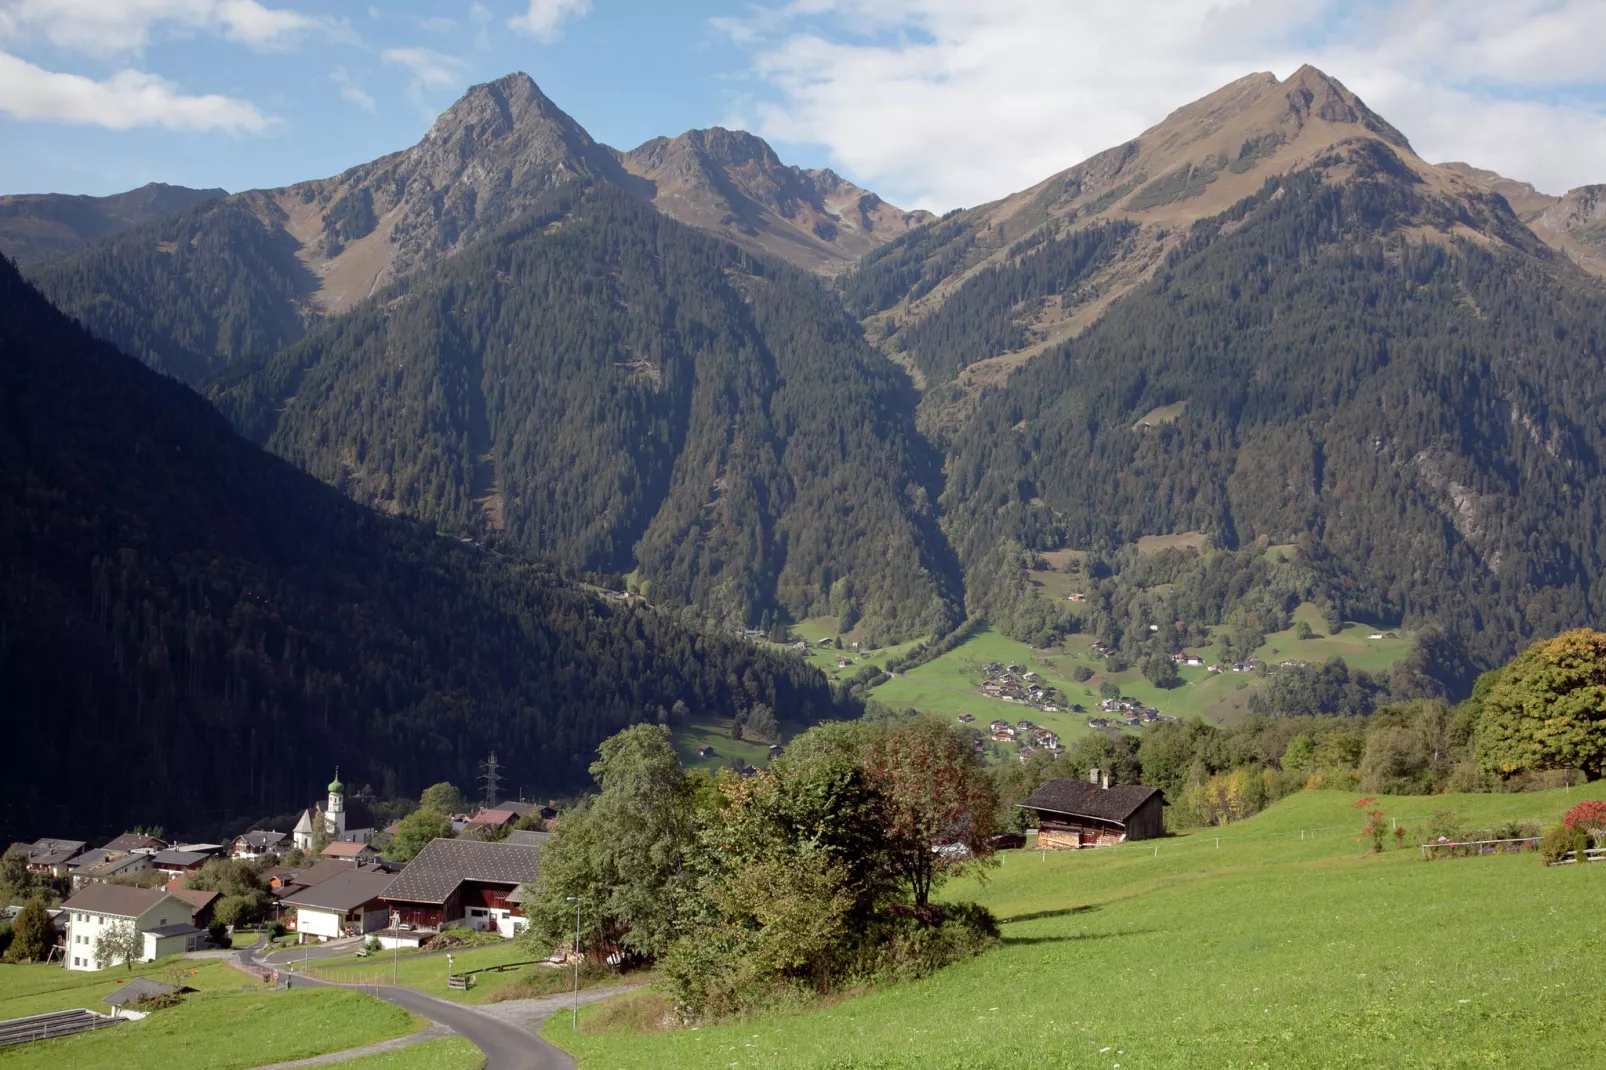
[[427, 973], [451, 1054], [716, 734], [1282, 947], [947, 684], [226, 1031], [26, 990]]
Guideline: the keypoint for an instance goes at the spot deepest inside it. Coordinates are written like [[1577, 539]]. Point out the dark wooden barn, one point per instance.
[[1095, 813]]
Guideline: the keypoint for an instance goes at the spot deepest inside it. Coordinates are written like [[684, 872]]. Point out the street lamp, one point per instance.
[[395, 943], [575, 1015]]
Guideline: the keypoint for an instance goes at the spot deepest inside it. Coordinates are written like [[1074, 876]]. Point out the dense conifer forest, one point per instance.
[[1423, 413], [192, 632], [611, 390]]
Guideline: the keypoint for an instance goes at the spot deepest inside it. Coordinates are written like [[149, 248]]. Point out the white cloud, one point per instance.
[[430, 69], [437, 25], [107, 28], [127, 99], [350, 91], [545, 18], [937, 103]]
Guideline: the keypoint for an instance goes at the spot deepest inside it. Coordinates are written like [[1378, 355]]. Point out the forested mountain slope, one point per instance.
[[192, 632], [245, 275], [603, 386], [965, 301], [35, 227], [1396, 375]]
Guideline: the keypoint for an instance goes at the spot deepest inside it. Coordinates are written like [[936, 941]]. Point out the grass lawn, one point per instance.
[[1272, 950], [27, 990], [427, 973], [717, 735], [226, 1031], [452, 1054]]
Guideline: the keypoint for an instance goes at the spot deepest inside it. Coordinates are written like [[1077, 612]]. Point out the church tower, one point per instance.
[[335, 810]]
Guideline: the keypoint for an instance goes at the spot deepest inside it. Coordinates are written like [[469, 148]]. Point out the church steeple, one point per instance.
[[335, 809]]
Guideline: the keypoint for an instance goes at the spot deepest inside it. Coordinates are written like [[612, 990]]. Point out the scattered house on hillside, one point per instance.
[[1212, 668], [356, 852], [136, 841], [967, 718], [138, 990], [998, 725], [1097, 722], [466, 881], [1187, 659], [705, 751], [1026, 752], [161, 919], [843, 663], [1077, 596], [1375, 635], [258, 842], [801, 644], [179, 863], [1094, 812], [490, 819], [775, 751], [129, 865], [202, 904], [52, 856], [827, 641], [346, 904]]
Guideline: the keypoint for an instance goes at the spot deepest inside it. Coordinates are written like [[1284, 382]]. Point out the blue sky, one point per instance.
[[932, 103]]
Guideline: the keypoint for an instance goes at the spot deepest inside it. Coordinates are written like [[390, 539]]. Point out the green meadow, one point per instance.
[[1270, 943], [39, 989], [224, 1030]]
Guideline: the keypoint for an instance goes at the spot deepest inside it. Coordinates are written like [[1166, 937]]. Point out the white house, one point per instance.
[[346, 904], [98, 907]]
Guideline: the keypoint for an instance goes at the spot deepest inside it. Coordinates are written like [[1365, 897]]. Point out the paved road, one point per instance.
[[506, 1046]]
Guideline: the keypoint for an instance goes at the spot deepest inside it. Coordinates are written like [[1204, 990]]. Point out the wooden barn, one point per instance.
[[1095, 813]]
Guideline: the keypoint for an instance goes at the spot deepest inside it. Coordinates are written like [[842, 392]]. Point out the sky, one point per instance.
[[934, 104]]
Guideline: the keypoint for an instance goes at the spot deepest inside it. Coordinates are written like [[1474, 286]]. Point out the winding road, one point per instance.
[[507, 1038]]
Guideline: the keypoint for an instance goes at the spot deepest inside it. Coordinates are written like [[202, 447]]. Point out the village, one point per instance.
[[138, 898]]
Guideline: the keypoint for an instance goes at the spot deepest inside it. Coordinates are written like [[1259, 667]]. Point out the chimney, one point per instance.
[[1105, 783], [1093, 775]]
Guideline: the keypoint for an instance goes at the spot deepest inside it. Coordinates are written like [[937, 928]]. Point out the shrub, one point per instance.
[[1377, 825], [1082, 674], [371, 945], [1589, 815], [5, 938], [217, 932], [276, 930], [1443, 823], [1559, 840]]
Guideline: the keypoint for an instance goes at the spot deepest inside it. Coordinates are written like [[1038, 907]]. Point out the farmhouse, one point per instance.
[[464, 880], [1094, 813], [161, 920], [259, 842], [52, 856], [346, 904]]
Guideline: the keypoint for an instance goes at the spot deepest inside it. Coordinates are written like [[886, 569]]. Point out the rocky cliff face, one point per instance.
[[731, 183], [1576, 225]]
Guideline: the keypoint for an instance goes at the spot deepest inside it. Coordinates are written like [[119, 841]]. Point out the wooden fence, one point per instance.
[[1468, 848]]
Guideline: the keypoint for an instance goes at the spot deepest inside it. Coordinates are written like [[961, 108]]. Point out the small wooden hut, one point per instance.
[[1095, 813]]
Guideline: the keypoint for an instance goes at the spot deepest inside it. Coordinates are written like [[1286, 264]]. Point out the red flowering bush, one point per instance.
[[1377, 824], [1361, 804], [1589, 815]]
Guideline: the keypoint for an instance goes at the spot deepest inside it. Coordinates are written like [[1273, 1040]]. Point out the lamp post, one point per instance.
[[575, 1014], [395, 943]]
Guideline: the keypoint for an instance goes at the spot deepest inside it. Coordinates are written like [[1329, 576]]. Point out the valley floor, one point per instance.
[[1282, 947]]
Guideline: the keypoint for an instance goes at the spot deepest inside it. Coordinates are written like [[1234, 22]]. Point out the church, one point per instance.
[[331, 817]]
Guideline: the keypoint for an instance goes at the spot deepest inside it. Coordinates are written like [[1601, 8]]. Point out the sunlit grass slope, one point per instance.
[[1273, 950]]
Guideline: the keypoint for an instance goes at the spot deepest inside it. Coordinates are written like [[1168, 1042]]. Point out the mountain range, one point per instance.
[[757, 393]]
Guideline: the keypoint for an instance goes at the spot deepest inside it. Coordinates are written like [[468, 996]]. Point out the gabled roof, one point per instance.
[[120, 899], [197, 899], [344, 891], [346, 849], [141, 988], [49, 852], [93, 858], [263, 838], [178, 929], [181, 859], [528, 838], [1078, 798], [113, 866], [304, 824], [444, 864], [135, 841], [491, 817], [322, 871]]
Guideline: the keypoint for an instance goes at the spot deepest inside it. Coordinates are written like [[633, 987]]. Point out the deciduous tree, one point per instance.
[[1548, 710]]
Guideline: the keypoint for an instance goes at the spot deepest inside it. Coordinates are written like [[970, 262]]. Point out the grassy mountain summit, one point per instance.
[[209, 629]]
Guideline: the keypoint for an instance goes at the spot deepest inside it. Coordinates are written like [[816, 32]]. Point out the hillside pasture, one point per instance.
[[1283, 946]]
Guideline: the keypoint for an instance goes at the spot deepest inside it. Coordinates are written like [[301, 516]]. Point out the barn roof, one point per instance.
[[1078, 798], [444, 864]]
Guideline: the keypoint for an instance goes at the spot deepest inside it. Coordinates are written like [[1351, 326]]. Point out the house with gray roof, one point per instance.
[[138, 990], [52, 856], [98, 908], [345, 904], [464, 882]]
